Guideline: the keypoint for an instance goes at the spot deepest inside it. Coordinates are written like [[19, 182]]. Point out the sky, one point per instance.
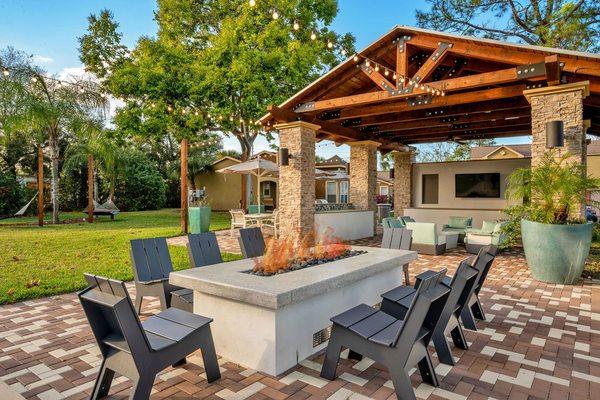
[[48, 29]]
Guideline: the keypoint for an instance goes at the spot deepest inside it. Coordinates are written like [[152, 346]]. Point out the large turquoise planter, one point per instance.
[[199, 219], [556, 253]]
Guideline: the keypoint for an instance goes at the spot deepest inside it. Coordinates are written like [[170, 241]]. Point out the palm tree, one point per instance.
[[54, 107]]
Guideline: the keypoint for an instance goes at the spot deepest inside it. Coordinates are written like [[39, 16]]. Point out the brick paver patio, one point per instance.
[[540, 342]]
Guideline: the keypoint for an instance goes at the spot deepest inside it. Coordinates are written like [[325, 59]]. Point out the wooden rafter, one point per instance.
[[402, 53], [516, 130], [439, 101], [523, 121], [377, 78], [434, 60]]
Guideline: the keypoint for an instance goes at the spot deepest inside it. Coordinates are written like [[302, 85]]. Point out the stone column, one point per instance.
[[363, 175], [297, 180], [560, 102], [403, 161]]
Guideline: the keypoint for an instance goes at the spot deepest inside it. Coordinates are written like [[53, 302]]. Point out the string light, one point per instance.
[[329, 45], [343, 52], [296, 25], [275, 15], [6, 72], [355, 58], [34, 79], [313, 36], [386, 73], [252, 3], [376, 68]]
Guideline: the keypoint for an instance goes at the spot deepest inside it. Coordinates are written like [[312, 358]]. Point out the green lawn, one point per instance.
[[36, 262]]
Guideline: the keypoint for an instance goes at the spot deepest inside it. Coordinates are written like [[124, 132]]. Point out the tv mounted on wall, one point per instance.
[[485, 185]]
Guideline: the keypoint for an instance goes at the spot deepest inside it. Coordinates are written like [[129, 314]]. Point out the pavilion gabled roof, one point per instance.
[[415, 85]]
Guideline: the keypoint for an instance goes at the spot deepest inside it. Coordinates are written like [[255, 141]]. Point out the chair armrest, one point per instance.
[[445, 226], [154, 281]]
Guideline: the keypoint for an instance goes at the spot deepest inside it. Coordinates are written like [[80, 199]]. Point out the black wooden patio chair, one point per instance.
[[252, 242], [397, 301], [203, 249], [137, 350], [398, 239], [151, 263], [399, 344]]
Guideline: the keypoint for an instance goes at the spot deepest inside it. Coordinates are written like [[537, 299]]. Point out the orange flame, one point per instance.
[[281, 253]]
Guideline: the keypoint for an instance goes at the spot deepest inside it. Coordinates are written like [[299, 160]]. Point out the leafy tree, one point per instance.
[[229, 153], [385, 162], [569, 24], [11, 194], [142, 187], [450, 151], [214, 66]]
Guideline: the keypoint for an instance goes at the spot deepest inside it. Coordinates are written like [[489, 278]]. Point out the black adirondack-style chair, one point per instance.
[[397, 301], [398, 344], [203, 249], [474, 310], [137, 350], [151, 263], [398, 239], [252, 242]]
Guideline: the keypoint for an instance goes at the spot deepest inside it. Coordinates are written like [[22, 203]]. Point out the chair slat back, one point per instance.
[[428, 292], [386, 241], [465, 277], [406, 240], [485, 259], [203, 249], [396, 238], [252, 242], [150, 259], [110, 313]]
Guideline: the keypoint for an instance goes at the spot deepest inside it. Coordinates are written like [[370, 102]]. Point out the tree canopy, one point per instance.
[[568, 24]]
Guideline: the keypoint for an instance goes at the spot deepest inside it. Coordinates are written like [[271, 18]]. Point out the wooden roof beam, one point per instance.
[[517, 130], [522, 121], [377, 78], [281, 115], [434, 60]]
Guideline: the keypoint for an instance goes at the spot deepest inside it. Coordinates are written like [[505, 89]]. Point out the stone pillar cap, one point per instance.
[[295, 124], [584, 86], [364, 143]]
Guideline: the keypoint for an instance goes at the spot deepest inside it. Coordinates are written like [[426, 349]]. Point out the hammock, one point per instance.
[[23, 210], [108, 208]]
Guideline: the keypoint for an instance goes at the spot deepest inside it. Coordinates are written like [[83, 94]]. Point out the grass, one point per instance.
[[37, 262]]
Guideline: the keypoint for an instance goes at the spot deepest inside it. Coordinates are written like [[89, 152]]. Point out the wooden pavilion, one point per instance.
[[417, 86]]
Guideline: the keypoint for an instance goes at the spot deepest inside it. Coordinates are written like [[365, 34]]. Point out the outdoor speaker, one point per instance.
[[555, 134], [284, 156], [392, 173]]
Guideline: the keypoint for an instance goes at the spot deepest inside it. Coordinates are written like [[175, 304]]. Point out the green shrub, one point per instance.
[[141, 187], [11, 194], [73, 185]]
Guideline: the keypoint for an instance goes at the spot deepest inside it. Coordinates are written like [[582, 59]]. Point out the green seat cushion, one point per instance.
[[391, 223], [488, 226], [459, 222], [404, 219]]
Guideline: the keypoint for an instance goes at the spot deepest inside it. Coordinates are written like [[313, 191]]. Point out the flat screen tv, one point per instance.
[[478, 185]]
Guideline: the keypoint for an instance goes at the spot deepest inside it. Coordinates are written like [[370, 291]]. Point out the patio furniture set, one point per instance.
[[240, 219], [429, 238], [397, 335]]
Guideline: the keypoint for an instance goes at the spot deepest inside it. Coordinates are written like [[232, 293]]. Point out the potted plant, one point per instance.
[[555, 234], [199, 215]]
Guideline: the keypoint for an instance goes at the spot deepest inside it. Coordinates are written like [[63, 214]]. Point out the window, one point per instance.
[[343, 191], [384, 190], [430, 189], [266, 189], [331, 192]]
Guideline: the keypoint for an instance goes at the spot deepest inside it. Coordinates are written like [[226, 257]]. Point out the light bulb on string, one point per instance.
[[395, 76], [183, 111], [355, 58], [313, 36], [329, 45], [275, 15], [6, 72], [296, 25], [196, 113], [386, 73], [169, 108], [34, 79], [252, 3], [81, 90], [367, 63], [377, 67], [343, 52]]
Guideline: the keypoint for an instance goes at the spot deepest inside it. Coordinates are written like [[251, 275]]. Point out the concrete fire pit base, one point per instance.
[[271, 323]]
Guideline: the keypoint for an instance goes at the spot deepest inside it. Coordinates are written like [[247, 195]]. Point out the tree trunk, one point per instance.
[[90, 191], [54, 155], [184, 190], [40, 182]]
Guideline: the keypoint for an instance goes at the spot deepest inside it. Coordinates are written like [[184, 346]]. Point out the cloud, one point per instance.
[[43, 59]]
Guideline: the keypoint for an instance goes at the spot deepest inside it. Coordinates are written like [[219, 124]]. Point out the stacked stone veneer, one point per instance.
[[565, 103], [297, 180], [363, 175], [403, 162]]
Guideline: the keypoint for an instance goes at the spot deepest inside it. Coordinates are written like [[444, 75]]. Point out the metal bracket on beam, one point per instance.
[[305, 107], [460, 126], [400, 42], [351, 122], [419, 100], [535, 85], [435, 56], [369, 129], [327, 115], [531, 70]]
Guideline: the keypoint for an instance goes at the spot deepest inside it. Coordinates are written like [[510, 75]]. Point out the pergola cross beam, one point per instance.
[[429, 66]]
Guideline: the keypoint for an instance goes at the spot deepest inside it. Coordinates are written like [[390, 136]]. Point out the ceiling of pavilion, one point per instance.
[[418, 86]]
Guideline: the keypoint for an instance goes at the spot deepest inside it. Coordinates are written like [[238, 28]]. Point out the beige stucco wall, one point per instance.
[[446, 172], [593, 166]]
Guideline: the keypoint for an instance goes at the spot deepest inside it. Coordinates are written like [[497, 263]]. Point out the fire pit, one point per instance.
[[271, 324], [285, 255]]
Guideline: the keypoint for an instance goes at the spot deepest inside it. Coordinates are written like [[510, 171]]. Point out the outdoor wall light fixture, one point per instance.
[[555, 134], [392, 173], [284, 156]]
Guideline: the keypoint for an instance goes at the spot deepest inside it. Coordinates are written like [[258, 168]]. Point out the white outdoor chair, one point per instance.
[[273, 222], [239, 220]]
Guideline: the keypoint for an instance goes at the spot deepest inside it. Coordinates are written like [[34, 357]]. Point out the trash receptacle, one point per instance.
[[383, 211], [199, 219]]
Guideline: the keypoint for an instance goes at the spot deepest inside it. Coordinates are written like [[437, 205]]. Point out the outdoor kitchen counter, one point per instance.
[[229, 281]]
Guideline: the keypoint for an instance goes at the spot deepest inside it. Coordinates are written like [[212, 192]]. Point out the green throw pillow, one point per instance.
[[459, 222], [489, 226]]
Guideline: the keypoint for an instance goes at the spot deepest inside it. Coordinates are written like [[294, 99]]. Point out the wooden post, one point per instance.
[[90, 188], [40, 183], [184, 186]]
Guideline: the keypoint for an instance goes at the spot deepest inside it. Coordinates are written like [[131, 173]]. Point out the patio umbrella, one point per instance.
[[258, 167]]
